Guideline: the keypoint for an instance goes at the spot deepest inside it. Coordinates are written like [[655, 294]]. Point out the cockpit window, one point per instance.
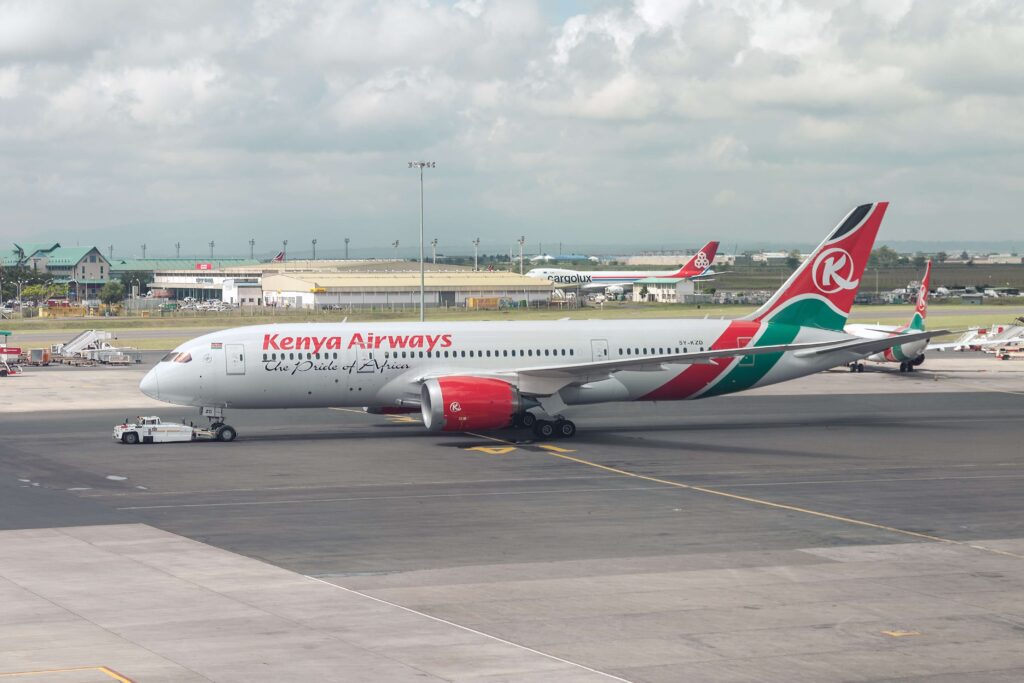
[[169, 357], [183, 358]]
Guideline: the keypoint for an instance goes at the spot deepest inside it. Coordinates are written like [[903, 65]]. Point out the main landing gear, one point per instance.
[[906, 366], [223, 431], [545, 430], [856, 367]]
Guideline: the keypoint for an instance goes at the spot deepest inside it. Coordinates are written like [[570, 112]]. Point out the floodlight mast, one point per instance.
[[421, 165]]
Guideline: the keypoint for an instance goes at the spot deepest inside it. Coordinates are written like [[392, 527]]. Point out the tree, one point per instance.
[[941, 257], [112, 293], [919, 261], [883, 257], [793, 259]]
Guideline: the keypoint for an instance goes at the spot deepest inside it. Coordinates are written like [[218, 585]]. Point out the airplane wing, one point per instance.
[[974, 342], [866, 347]]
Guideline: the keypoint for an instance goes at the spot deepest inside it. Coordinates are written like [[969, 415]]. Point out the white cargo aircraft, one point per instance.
[[616, 281], [490, 375]]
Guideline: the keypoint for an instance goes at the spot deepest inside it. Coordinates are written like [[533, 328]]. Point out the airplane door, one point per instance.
[[235, 356], [599, 348]]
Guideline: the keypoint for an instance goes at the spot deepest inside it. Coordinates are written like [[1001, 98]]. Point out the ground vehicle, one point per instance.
[[154, 430], [9, 357]]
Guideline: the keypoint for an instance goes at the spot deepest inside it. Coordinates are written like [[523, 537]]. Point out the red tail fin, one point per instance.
[[820, 293], [700, 262]]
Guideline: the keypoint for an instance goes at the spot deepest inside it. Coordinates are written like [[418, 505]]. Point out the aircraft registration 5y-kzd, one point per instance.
[[474, 376]]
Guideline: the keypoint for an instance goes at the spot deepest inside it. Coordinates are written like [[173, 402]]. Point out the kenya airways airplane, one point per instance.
[[698, 266], [473, 376], [908, 355]]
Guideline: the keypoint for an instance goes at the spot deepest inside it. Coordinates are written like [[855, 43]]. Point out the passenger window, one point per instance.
[[629, 352], [471, 354], [531, 352], [563, 352], [570, 352], [488, 353], [545, 352], [504, 352]]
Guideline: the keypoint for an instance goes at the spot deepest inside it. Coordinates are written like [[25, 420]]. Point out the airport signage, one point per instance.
[[204, 266]]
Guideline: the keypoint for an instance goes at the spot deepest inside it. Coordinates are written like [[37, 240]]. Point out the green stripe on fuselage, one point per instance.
[[750, 369]]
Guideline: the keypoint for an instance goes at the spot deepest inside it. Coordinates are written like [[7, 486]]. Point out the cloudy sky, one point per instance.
[[654, 122]]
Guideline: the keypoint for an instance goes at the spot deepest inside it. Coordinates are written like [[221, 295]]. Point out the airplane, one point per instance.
[[910, 354], [615, 281], [475, 376]]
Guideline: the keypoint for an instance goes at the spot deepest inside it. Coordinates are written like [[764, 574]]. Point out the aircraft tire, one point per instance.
[[226, 433], [527, 420], [860, 367], [544, 430], [565, 429]]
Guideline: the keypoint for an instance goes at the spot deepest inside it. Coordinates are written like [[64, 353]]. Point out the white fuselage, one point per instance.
[[595, 279], [383, 364], [898, 353]]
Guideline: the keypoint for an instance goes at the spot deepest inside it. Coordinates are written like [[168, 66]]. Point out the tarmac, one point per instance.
[[843, 527]]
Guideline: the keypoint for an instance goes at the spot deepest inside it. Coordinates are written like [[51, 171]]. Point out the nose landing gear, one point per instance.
[[224, 432]]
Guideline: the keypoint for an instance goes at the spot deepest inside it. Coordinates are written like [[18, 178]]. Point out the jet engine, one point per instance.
[[462, 404]]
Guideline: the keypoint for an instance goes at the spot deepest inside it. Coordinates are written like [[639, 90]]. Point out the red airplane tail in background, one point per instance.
[[700, 262]]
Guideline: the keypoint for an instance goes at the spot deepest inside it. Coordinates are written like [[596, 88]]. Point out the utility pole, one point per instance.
[[346, 249], [284, 250], [433, 250], [314, 249], [423, 300], [476, 254], [522, 241], [212, 245], [143, 251], [252, 245], [177, 250]]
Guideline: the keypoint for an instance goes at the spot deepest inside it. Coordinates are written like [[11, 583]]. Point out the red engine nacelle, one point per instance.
[[462, 404]]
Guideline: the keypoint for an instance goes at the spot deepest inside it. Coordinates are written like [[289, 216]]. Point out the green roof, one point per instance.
[[68, 256], [133, 264], [69, 280], [32, 247]]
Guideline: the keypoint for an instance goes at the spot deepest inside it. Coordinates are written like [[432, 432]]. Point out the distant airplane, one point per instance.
[[482, 375], [279, 258], [910, 354], [699, 266]]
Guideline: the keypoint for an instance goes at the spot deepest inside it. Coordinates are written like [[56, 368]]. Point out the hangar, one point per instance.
[[355, 290]]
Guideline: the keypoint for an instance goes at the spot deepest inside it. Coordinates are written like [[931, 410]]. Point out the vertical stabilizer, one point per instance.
[[821, 291], [700, 261]]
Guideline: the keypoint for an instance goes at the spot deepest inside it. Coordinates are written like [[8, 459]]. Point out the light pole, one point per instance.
[[177, 250], [522, 241], [314, 249], [212, 245], [284, 250], [433, 250], [110, 252], [346, 249], [476, 254], [421, 165], [252, 247], [143, 251], [395, 245]]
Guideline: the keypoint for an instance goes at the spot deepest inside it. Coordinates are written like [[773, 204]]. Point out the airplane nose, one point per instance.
[[150, 384]]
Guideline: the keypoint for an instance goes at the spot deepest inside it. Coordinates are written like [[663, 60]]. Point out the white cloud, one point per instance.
[[232, 117]]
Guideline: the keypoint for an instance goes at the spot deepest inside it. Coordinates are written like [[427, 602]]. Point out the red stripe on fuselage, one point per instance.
[[695, 377]]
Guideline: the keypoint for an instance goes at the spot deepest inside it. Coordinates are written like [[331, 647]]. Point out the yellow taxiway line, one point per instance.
[[102, 669], [756, 501]]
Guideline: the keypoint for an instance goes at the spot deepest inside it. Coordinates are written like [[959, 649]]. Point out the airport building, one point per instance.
[[667, 290], [442, 289]]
